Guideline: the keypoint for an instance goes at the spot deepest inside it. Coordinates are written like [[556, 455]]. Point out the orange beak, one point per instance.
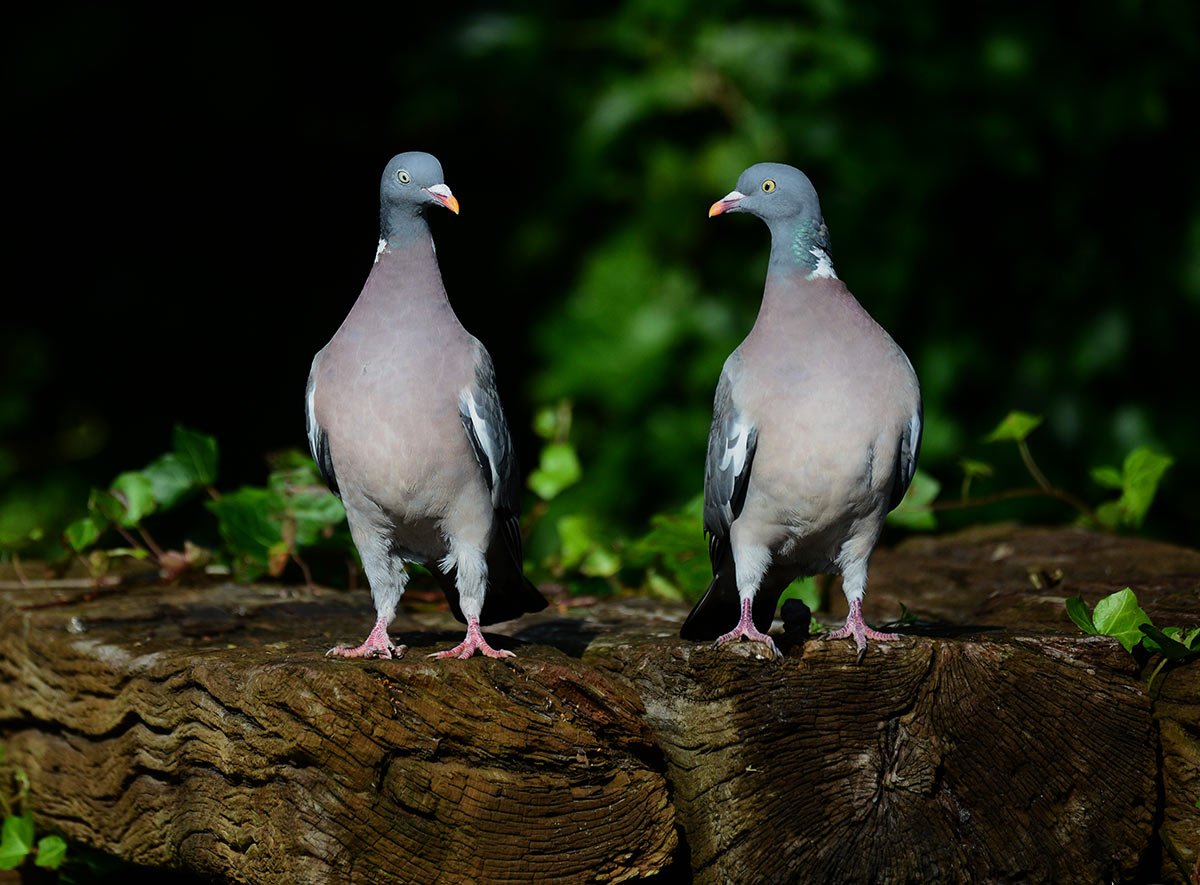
[[442, 194], [726, 203]]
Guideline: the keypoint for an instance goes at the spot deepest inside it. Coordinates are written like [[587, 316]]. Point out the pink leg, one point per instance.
[[473, 643], [745, 629], [855, 626], [378, 645]]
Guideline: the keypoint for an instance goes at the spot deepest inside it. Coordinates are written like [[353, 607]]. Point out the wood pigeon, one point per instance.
[[405, 424], [815, 434]]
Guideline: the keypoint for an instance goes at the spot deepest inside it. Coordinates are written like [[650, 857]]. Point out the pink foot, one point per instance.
[[378, 645], [745, 629], [473, 643], [855, 626]]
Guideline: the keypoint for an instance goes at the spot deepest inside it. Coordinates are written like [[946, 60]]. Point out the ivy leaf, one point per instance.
[[1118, 615], [51, 852], [314, 511], [198, 452], [972, 468], [1190, 641], [136, 495], [16, 840], [1139, 479], [170, 478], [1143, 469], [913, 511], [1109, 477], [250, 522], [83, 533], [1015, 426], [1077, 610], [1170, 649], [559, 469]]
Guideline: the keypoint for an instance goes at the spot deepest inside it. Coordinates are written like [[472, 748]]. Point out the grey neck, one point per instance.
[[401, 227], [801, 246]]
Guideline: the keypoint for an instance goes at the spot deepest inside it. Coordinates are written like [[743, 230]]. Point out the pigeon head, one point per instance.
[[413, 182], [773, 192], [785, 199]]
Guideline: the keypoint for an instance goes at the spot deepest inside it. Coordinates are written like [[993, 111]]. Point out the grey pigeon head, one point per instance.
[[785, 199], [412, 182], [774, 192]]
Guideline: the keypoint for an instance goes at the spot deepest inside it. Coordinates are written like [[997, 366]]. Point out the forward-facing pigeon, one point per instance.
[[405, 424], [815, 434]]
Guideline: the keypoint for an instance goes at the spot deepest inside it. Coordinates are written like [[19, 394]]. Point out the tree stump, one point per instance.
[[202, 728]]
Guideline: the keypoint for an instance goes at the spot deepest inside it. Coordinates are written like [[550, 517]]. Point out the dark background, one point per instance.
[[192, 207]]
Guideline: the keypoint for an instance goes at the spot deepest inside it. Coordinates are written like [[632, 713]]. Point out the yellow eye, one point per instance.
[[768, 186], [403, 177]]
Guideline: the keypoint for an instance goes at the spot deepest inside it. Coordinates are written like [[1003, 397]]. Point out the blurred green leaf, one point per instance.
[[558, 470], [170, 478], [1109, 477], [16, 840], [83, 533], [1015, 426], [582, 549], [136, 494], [1138, 481], [913, 511], [199, 452], [314, 511], [972, 468], [249, 522], [804, 589], [674, 552], [51, 852], [1171, 649], [1118, 615], [1077, 610]]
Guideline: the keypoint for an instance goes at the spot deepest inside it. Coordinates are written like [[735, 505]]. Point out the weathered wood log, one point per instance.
[[202, 728]]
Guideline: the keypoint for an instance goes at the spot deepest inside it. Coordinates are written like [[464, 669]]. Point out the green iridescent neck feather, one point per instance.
[[811, 249]]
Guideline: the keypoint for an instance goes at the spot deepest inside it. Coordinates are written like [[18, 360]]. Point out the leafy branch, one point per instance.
[[1137, 481]]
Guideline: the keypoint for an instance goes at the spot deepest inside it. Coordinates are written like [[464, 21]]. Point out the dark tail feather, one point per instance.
[[717, 611], [509, 592], [720, 608]]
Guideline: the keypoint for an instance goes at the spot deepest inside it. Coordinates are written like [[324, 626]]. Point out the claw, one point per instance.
[[745, 629], [857, 628], [473, 643], [377, 645]]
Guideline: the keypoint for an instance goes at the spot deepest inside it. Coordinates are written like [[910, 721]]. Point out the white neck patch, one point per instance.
[[824, 269], [379, 249]]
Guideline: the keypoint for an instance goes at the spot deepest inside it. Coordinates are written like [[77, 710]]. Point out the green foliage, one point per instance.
[[557, 470], [1137, 480], [1015, 427], [264, 528], [17, 831], [1119, 615], [16, 840], [51, 852], [136, 494], [914, 511], [673, 555]]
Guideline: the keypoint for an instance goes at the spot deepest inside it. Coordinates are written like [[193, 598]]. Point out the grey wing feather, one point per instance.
[[318, 439], [483, 420], [732, 442], [906, 456]]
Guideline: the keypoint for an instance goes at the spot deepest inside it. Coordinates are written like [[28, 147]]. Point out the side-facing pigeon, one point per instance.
[[815, 434], [405, 424]]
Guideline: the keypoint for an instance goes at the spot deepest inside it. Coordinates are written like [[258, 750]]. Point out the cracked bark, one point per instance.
[[202, 728]]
